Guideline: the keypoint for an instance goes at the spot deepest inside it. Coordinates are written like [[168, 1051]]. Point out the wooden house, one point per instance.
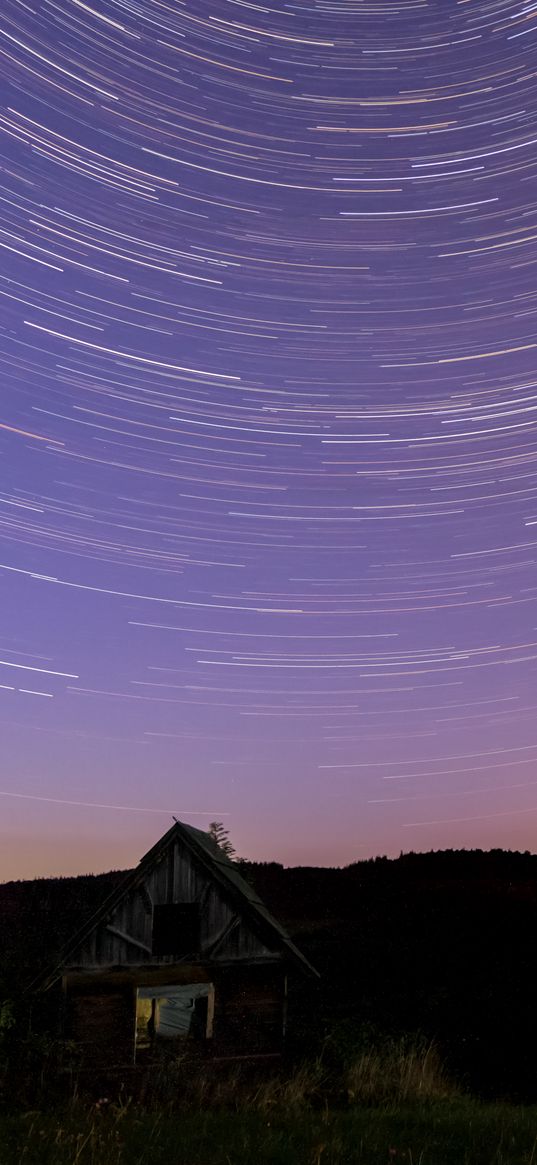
[[181, 955]]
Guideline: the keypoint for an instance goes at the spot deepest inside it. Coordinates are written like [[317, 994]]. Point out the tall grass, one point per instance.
[[345, 1073], [398, 1072], [387, 1104], [180, 1086]]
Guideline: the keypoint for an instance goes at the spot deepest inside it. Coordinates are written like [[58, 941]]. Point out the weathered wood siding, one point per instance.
[[249, 1014], [176, 878], [250, 1006], [102, 1024]]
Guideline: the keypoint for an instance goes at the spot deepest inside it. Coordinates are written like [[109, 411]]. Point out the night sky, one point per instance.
[[268, 503]]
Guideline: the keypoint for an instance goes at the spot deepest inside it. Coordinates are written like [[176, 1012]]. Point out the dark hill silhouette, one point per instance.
[[37, 917], [444, 943]]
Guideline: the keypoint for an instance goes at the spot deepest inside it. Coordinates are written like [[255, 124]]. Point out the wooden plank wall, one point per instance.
[[249, 1013], [249, 1010], [176, 878], [103, 1026]]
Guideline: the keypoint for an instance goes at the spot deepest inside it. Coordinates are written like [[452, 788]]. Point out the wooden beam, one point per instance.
[[103, 978], [147, 900], [128, 938], [170, 874], [203, 898], [252, 1056], [228, 929], [210, 1015]]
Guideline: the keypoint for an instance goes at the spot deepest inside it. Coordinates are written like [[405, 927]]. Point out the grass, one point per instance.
[[449, 1133], [400, 1072], [389, 1106]]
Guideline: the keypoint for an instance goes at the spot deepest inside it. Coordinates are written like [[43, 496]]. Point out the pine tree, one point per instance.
[[218, 832]]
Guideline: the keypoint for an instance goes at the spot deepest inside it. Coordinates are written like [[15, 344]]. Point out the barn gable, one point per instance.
[[187, 895], [176, 911]]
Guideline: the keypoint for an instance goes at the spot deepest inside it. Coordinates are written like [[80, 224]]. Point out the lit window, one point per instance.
[[182, 1011]]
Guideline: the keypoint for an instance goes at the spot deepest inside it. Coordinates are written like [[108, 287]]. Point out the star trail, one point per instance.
[[268, 457]]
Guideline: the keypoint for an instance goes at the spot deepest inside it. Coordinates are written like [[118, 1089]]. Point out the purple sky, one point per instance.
[[267, 429]]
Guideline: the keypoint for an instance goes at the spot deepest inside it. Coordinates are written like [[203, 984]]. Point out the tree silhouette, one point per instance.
[[220, 835]]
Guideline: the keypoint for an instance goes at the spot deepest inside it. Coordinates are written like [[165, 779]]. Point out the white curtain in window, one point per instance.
[[176, 1006]]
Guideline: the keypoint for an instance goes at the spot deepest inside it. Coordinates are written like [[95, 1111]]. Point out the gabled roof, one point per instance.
[[222, 871]]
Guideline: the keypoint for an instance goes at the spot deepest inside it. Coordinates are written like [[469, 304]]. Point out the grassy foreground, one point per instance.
[[388, 1105], [438, 1133]]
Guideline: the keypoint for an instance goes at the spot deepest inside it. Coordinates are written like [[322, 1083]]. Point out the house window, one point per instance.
[[174, 1012], [176, 929]]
